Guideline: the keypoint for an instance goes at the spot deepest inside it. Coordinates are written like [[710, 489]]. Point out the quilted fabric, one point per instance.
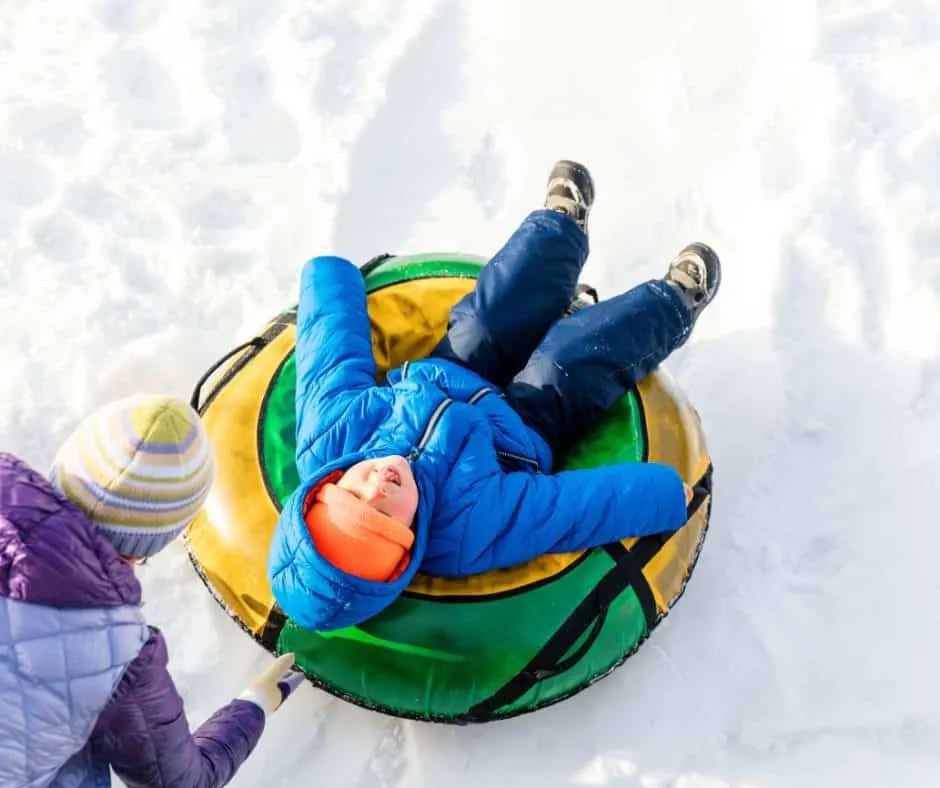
[[486, 497], [70, 624], [58, 670], [144, 735], [83, 681]]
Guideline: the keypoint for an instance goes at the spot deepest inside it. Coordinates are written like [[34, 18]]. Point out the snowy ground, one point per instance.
[[166, 168]]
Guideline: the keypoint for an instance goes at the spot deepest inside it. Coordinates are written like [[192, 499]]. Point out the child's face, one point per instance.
[[386, 484]]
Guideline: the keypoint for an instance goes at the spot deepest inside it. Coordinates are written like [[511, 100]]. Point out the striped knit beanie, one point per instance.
[[140, 468]]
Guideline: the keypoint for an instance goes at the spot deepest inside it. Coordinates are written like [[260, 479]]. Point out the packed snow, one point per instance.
[[166, 169]]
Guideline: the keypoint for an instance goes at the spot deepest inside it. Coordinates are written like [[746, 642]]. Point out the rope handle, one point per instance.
[[196, 400]]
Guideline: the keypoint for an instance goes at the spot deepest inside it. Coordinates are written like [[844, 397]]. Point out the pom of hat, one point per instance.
[[140, 468]]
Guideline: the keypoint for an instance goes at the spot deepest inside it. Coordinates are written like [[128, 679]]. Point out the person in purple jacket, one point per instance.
[[83, 680]]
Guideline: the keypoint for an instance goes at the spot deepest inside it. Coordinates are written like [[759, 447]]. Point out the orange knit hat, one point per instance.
[[356, 538]]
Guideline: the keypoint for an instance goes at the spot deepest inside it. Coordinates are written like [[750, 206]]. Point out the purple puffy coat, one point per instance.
[[61, 581]]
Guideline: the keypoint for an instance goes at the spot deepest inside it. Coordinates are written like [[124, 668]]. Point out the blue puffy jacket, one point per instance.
[[461, 438]]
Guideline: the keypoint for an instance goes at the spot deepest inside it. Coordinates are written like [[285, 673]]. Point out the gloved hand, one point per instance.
[[274, 686]]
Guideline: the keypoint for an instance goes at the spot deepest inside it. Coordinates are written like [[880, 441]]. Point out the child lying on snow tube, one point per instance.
[[447, 468], [84, 679]]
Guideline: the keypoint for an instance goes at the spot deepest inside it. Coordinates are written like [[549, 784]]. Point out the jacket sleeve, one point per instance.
[[144, 734], [572, 511], [334, 348]]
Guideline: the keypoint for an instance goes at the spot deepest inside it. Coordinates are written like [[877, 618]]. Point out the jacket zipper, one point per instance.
[[429, 429], [510, 455], [436, 417], [506, 455], [478, 395]]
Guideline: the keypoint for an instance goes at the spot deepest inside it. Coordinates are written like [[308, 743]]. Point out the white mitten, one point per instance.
[[274, 686]]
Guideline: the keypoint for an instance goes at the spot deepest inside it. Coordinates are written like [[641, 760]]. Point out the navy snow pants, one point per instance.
[[559, 372]]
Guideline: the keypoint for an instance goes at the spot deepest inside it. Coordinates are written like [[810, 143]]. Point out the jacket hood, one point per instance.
[[312, 591]]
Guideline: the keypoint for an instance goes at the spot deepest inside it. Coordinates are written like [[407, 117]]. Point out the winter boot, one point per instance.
[[571, 191], [695, 273]]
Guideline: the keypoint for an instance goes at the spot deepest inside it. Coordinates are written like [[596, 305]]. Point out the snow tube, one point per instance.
[[450, 650]]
